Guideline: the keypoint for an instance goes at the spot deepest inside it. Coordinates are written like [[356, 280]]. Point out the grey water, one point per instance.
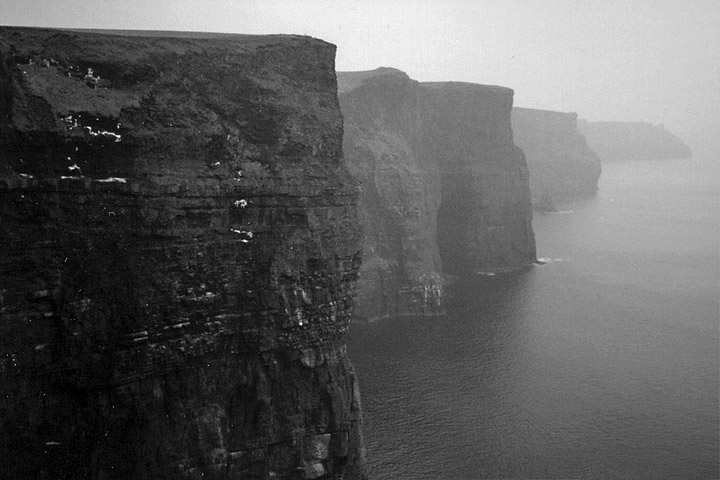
[[602, 363]]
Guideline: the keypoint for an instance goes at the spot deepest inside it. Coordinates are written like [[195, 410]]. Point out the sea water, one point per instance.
[[602, 363]]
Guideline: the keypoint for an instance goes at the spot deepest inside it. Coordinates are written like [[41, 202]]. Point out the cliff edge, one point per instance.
[[444, 189], [619, 141], [560, 162], [180, 250], [485, 215], [401, 271]]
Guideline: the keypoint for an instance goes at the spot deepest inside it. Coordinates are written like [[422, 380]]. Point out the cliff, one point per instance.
[[485, 215], [444, 189], [618, 141], [400, 272], [558, 157], [180, 250]]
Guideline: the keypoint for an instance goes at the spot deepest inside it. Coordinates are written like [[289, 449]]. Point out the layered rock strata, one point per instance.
[[619, 141], [560, 162], [180, 250], [444, 189]]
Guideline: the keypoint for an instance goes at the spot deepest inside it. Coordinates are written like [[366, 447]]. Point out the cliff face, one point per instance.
[[485, 215], [180, 250], [618, 141], [400, 272], [444, 188], [558, 157]]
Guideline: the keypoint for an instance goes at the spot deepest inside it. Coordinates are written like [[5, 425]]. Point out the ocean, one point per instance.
[[602, 363]]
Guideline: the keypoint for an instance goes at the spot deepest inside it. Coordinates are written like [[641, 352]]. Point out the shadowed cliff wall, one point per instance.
[[632, 141], [180, 249], [444, 189], [485, 215], [558, 157], [400, 272]]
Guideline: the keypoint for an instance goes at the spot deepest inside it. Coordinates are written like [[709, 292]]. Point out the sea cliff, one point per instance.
[[619, 141], [560, 162], [444, 188], [180, 249]]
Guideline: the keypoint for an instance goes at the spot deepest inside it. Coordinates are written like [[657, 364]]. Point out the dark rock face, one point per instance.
[[445, 190], [180, 250], [560, 162], [485, 215], [401, 270], [619, 141]]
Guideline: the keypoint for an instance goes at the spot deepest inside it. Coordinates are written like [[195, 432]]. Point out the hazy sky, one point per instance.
[[653, 60]]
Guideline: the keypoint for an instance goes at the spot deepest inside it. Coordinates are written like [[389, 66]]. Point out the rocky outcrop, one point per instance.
[[444, 189], [180, 249], [559, 160], [619, 141]]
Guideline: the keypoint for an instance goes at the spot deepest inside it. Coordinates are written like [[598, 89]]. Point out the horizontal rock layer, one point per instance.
[[444, 189], [558, 157], [618, 141], [180, 250]]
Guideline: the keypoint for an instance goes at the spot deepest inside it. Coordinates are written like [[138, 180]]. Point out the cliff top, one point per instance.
[[633, 140], [137, 104], [627, 128], [348, 81], [542, 112], [468, 86], [31, 34], [621, 123]]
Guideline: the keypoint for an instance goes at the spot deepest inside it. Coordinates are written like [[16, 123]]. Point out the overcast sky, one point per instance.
[[652, 60]]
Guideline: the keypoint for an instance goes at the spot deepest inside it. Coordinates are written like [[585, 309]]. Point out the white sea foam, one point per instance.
[[545, 260]]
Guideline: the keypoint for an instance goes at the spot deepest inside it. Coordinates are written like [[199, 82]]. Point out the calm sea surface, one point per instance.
[[604, 363]]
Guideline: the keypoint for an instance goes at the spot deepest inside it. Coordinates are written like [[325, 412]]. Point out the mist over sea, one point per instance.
[[603, 363]]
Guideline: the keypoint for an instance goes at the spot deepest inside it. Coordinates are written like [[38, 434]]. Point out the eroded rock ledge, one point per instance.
[[180, 250], [445, 189], [560, 162]]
